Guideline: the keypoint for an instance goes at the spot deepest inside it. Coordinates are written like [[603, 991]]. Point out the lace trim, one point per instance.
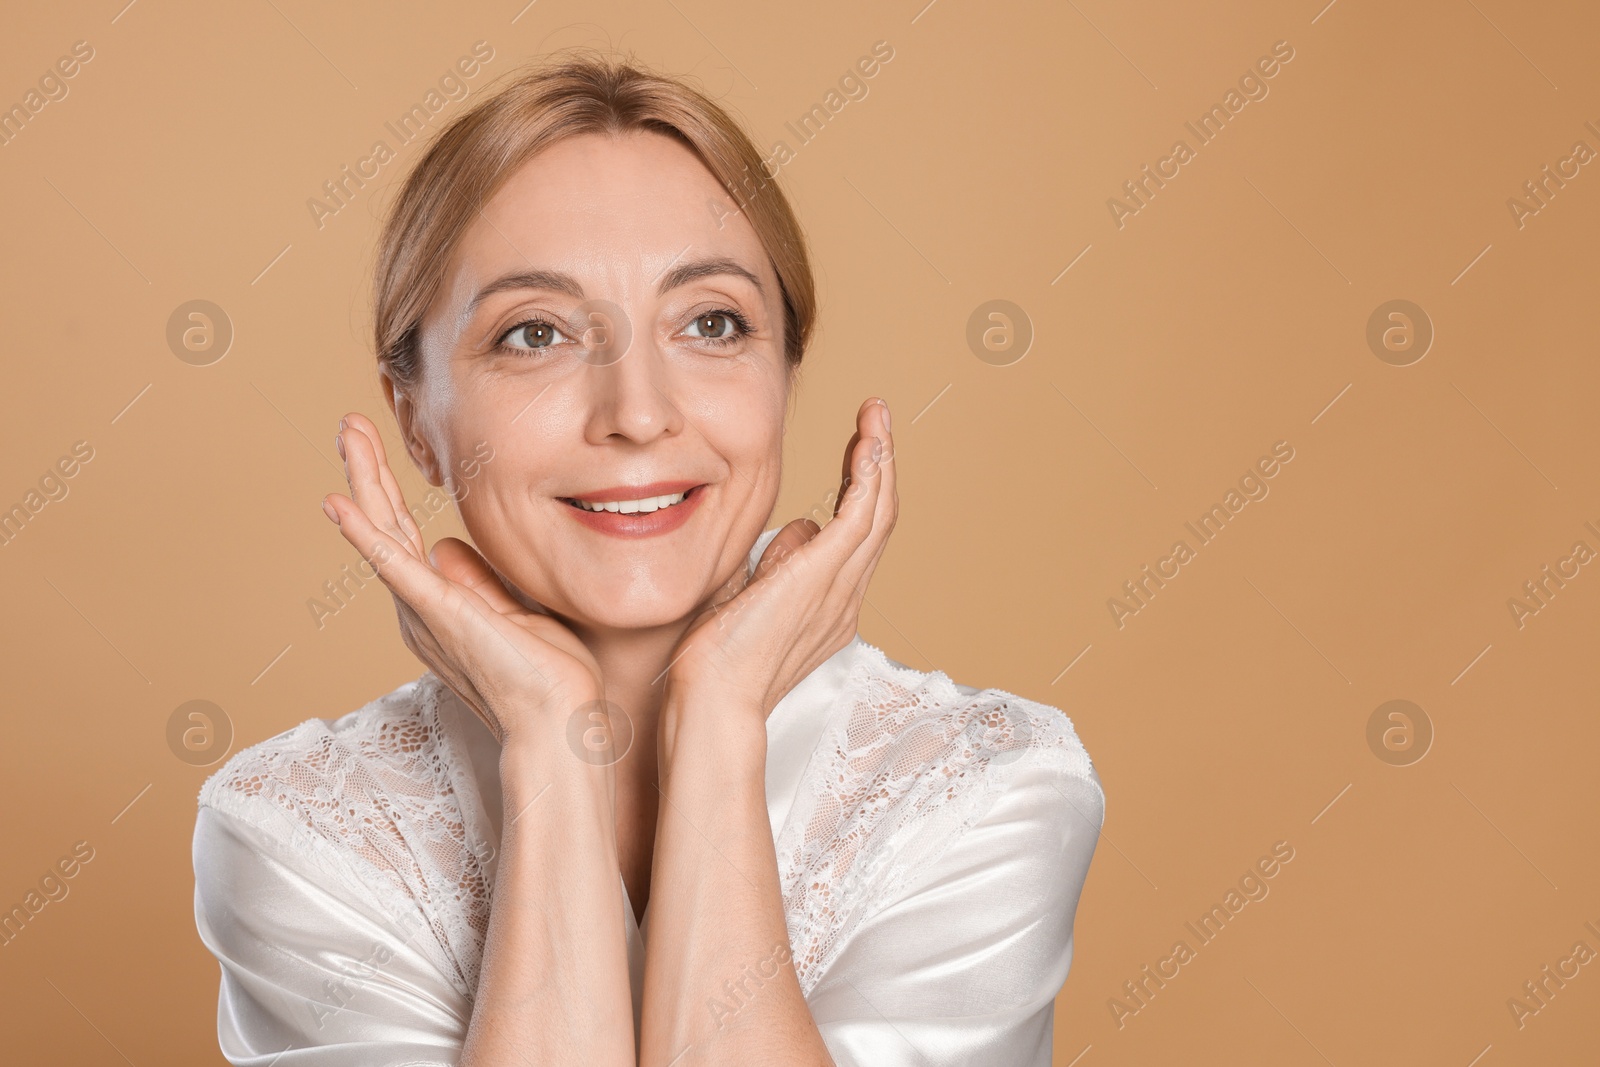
[[379, 787], [906, 766]]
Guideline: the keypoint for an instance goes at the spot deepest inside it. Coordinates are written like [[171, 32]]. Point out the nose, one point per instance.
[[629, 386]]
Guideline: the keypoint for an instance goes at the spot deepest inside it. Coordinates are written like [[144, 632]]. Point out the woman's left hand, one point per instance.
[[765, 632]]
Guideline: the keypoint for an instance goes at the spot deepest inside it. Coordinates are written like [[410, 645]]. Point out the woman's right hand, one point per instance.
[[523, 673], [504, 660]]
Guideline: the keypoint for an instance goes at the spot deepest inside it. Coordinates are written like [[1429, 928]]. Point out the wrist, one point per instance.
[[547, 754], [535, 720], [541, 787], [728, 733]]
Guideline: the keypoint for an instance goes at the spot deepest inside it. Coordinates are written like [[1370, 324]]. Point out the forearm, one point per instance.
[[554, 986], [719, 988]]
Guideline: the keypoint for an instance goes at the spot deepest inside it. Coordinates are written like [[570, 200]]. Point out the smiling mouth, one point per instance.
[[640, 506]]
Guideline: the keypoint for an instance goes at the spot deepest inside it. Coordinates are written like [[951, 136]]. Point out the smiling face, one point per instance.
[[609, 329]]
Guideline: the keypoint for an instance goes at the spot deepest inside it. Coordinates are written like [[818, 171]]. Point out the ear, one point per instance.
[[406, 416]]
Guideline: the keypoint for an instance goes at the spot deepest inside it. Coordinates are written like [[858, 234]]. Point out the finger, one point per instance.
[[386, 478], [361, 466], [409, 578], [784, 544], [457, 617], [886, 464], [872, 423], [858, 501], [387, 483], [848, 464], [872, 420], [885, 510], [435, 600], [868, 508], [461, 563]]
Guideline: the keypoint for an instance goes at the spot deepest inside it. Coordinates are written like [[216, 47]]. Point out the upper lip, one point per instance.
[[633, 492]]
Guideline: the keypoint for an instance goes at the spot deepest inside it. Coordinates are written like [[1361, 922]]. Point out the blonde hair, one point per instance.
[[576, 92]]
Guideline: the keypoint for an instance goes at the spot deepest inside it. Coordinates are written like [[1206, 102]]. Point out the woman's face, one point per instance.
[[610, 330]]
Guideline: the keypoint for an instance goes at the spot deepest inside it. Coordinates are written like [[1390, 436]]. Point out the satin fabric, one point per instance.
[[961, 968]]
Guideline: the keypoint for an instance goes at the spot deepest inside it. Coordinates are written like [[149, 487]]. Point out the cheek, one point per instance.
[[496, 437], [742, 419], [496, 478], [756, 424]]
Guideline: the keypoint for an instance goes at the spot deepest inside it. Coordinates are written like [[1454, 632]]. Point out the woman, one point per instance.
[[716, 826]]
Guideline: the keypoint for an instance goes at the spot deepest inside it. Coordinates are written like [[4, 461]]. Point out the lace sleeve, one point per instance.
[[316, 970], [382, 796], [963, 966], [931, 867], [337, 884]]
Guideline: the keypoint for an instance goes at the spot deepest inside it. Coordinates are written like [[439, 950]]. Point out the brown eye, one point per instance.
[[716, 324], [532, 335], [719, 328]]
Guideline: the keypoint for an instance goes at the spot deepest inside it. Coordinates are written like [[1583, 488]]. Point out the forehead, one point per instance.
[[610, 209]]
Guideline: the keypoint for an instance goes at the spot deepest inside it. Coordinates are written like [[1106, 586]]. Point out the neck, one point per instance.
[[634, 665]]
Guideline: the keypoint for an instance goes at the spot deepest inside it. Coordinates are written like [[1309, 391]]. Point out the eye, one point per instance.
[[532, 335], [721, 327]]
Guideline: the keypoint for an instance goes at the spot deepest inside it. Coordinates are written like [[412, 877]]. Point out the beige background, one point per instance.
[[1230, 313]]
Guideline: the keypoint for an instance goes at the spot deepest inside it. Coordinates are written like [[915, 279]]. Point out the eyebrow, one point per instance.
[[565, 283], [525, 279], [704, 268]]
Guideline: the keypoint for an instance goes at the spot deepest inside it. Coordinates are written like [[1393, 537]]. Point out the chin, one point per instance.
[[615, 594], [643, 617], [632, 613]]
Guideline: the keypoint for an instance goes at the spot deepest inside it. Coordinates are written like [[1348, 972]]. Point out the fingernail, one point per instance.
[[338, 440], [327, 509], [341, 424], [888, 423]]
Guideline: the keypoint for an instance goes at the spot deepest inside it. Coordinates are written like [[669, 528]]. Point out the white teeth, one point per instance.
[[630, 507]]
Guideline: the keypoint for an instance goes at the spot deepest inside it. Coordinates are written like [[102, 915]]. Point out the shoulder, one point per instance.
[[914, 773], [326, 776], [395, 736], [974, 738], [372, 807]]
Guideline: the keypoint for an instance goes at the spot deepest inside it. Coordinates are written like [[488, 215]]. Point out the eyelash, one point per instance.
[[741, 331]]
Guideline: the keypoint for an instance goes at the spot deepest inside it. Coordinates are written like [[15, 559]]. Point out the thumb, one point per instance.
[[461, 563], [784, 544]]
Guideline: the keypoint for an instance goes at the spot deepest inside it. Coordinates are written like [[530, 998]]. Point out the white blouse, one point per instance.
[[932, 841]]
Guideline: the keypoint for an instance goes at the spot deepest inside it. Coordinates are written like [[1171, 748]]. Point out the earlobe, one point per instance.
[[406, 418]]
